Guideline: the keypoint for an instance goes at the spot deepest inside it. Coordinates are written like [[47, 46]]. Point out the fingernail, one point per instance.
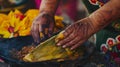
[[64, 46], [58, 44]]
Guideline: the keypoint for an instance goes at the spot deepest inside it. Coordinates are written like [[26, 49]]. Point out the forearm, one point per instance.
[[49, 6], [105, 15]]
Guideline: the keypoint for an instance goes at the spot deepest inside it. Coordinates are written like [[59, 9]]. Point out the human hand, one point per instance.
[[77, 33], [43, 23]]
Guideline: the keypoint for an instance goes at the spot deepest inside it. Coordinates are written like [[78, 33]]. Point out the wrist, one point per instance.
[[91, 25], [88, 26], [45, 15], [51, 14], [97, 23]]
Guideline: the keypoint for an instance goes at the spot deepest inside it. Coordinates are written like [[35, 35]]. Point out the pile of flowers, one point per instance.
[[17, 24]]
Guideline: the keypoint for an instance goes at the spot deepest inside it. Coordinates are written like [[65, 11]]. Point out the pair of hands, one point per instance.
[[75, 34]]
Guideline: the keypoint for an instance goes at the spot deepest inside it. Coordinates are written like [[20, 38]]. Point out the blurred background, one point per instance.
[[71, 10]]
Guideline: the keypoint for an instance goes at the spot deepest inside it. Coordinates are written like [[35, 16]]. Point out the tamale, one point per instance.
[[49, 51]]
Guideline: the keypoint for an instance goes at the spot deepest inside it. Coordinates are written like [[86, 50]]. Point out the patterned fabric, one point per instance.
[[100, 3], [108, 39]]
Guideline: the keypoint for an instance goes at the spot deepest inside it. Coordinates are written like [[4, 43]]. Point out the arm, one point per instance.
[[105, 15], [79, 32], [49, 6], [44, 22]]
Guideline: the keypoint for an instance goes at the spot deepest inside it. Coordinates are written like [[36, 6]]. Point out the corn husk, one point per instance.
[[49, 51]]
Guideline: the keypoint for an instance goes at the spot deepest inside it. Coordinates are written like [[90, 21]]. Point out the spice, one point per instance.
[[24, 51]]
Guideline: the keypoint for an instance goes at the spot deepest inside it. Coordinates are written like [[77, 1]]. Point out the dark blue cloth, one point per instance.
[[7, 45]]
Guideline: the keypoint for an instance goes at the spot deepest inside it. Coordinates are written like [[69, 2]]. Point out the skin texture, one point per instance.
[[78, 32], [106, 14], [44, 22]]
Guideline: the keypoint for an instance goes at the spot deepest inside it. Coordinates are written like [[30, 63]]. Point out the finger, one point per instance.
[[51, 29], [40, 28], [32, 30], [41, 35], [36, 33], [72, 42], [45, 30], [76, 45], [67, 39]]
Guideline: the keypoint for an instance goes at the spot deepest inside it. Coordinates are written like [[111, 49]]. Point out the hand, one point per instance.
[[77, 33], [44, 23]]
